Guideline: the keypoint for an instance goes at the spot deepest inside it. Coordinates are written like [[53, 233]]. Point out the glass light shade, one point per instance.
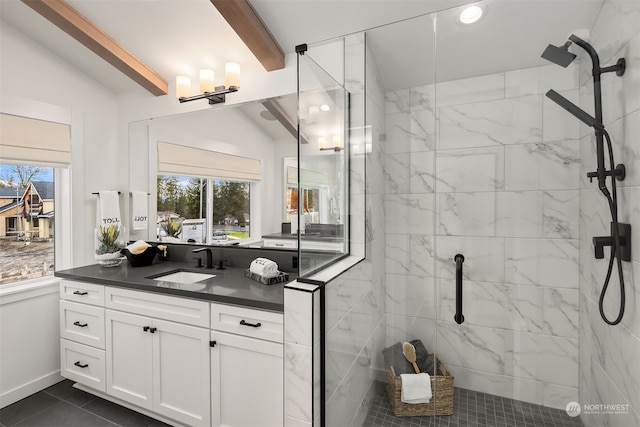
[[207, 81], [322, 142], [471, 14], [336, 141], [183, 86], [231, 74]]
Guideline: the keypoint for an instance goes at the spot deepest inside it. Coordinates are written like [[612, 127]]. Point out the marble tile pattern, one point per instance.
[[610, 355], [355, 301], [501, 186]]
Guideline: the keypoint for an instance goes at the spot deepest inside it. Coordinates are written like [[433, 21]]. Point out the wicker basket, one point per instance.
[[440, 404]]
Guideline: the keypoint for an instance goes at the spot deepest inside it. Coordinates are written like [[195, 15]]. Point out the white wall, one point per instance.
[[29, 71], [100, 160]]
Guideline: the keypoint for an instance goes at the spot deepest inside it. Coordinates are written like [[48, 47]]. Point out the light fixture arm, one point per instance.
[[216, 97]]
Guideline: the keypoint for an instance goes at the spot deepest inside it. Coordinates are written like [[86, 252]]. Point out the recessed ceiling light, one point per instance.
[[470, 14], [325, 107]]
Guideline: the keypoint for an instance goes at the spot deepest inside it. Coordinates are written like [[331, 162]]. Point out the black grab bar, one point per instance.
[[459, 318]]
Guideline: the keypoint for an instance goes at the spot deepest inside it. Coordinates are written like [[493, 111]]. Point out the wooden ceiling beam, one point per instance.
[[246, 22], [68, 19]]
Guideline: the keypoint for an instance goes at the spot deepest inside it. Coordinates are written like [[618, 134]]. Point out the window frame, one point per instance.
[[254, 229]]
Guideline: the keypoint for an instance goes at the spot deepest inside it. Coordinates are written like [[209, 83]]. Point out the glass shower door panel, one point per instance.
[[506, 198], [319, 191]]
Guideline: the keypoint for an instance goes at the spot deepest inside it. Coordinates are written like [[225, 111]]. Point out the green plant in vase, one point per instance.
[[109, 240], [172, 227]]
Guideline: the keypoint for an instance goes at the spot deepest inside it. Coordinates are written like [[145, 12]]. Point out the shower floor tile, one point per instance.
[[472, 408]]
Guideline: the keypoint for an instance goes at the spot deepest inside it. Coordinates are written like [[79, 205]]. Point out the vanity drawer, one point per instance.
[[245, 321], [183, 310], [277, 243], [82, 323], [88, 293], [83, 364]]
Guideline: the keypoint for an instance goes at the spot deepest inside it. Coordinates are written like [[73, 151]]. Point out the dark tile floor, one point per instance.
[[471, 408], [61, 405]]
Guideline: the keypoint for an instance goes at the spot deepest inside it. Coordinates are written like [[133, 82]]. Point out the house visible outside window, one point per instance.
[[27, 229], [189, 206]]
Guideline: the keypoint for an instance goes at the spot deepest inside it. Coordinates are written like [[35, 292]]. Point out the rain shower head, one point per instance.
[[559, 55], [584, 117]]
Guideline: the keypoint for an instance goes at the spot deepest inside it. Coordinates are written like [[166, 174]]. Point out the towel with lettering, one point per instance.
[[108, 211], [139, 210]]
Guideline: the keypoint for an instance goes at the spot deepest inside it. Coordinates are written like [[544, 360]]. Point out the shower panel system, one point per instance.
[[620, 236]]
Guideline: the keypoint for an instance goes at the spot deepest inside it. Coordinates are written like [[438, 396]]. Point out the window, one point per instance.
[[27, 226], [189, 206]]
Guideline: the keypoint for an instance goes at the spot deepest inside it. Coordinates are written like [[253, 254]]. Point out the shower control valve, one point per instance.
[[624, 234]]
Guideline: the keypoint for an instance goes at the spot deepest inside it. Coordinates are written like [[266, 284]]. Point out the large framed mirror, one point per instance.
[[228, 176]]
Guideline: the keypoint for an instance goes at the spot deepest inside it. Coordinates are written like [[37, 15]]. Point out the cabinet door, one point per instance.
[[246, 382], [128, 349], [181, 369]]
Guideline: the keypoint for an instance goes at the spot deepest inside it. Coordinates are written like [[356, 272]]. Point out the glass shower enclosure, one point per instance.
[[468, 157]]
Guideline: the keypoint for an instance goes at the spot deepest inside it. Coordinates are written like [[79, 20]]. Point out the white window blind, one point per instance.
[[188, 161], [36, 141], [309, 177]]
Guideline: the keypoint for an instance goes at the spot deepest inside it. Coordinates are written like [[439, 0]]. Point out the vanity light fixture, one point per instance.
[[325, 107], [336, 144], [215, 94]]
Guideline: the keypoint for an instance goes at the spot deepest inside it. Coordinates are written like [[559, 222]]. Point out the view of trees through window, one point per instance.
[[183, 207], [26, 222]]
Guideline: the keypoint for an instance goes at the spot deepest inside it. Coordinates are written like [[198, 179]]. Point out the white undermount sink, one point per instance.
[[184, 277]]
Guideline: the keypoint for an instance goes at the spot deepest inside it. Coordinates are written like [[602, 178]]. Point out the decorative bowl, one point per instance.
[[142, 259]]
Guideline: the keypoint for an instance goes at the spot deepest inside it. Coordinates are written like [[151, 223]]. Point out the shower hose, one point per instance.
[[612, 199]]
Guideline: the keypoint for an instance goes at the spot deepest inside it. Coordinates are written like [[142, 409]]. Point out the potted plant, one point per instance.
[[109, 242]]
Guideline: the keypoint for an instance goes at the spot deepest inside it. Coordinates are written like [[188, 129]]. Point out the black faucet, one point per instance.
[[209, 255]]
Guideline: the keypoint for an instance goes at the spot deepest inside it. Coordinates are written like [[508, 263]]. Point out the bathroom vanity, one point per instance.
[[191, 354]]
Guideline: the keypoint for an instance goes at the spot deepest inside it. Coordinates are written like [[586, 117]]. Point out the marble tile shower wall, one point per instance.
[[487, 167], [610, 355], [354, 301]]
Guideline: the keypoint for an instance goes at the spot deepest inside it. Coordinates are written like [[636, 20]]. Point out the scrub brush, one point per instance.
[[409, 352]]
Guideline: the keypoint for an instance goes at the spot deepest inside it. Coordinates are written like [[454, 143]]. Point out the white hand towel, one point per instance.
[[139, 210], [416, 388], [264, 267], [108, 210]]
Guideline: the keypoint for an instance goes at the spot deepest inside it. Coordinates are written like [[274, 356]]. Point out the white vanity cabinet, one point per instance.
[[158, 364], [246, 367], [194, 362], [82, 345]]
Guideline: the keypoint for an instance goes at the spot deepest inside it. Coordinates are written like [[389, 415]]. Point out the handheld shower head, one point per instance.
[[578, 112], [559, 55]]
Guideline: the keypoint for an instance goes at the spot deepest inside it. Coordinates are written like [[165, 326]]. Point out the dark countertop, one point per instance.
[[230, 285]]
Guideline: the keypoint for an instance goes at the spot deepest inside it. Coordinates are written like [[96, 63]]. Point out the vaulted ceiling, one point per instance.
[[174, 37]]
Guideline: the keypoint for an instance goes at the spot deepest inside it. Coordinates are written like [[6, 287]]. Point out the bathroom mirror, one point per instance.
[[212, 200]]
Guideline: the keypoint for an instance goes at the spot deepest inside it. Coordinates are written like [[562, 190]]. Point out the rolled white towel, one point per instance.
[[138, 247], [264, 267], [416, 388]]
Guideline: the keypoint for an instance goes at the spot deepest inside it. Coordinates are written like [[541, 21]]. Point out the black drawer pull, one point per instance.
[[253, 325], [80, 293], [82, 325], [153, 330], [80, 365], [145, 328]]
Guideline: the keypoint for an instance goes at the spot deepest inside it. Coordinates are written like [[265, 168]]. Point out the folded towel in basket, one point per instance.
[[393, 356], [416, 388], [264, 267]]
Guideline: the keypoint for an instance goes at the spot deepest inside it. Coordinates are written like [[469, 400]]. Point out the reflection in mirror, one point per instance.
[[216, 177], [323, 167]]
